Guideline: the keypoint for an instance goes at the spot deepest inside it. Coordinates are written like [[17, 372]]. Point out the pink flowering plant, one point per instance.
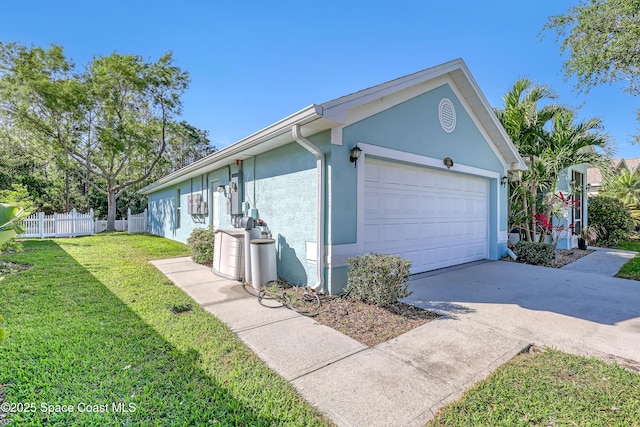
[[558, 206]]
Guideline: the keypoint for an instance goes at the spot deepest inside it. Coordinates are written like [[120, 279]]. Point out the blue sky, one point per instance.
[[255, 62]]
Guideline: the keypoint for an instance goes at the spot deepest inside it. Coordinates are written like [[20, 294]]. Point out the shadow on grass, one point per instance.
[[113, 353]]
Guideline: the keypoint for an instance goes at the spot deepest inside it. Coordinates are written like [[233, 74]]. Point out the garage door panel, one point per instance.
[[371, 235], [392, 233], [444, 181], [428, 230], [444, 206], [444, 229], [391, 204], [371, 203], [458, 229], [433, 218]]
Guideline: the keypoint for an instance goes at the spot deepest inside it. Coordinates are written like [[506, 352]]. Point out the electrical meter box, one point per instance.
[[235, 194]]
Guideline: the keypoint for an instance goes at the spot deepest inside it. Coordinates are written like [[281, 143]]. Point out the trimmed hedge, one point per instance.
[[201, 243], [535, 253], [378, 279]]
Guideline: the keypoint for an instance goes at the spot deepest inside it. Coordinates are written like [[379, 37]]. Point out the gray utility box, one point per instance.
[[228, 253]]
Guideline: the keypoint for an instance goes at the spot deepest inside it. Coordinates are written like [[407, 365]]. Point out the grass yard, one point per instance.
[[631, 270], [549, 389], [96, 336], [629, 245]]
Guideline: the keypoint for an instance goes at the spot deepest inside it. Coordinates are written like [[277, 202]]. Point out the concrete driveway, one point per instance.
[[493, 310], [581, 313]]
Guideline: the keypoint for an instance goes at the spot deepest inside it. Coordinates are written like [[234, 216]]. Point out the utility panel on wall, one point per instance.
[[197, 206], [234, 194]]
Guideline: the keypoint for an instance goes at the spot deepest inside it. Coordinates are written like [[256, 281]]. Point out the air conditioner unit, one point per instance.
[[228, 253]]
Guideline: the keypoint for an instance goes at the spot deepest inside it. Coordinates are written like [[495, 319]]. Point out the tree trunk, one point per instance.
[[532, 215], [527, 230], [67, 195], [87, 183], [111, 208]]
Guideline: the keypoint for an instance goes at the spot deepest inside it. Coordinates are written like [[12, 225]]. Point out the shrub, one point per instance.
[[612, 217], [378, 279], [10, 247], [535, 253], [201, 243]]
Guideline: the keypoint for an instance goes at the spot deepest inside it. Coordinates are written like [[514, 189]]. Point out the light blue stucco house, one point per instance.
[[428, 184]]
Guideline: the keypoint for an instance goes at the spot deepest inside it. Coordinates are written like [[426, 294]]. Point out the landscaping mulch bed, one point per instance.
[[563, 257], [567, 256], [368, 324]]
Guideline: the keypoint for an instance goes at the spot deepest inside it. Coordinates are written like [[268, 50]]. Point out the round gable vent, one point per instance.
[[447, 115]]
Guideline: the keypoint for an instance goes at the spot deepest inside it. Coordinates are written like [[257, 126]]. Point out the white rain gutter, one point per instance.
[[320, 165]]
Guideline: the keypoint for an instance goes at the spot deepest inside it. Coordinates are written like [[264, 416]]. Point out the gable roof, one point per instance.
[[319, 117], [594, 177], [633, 164]]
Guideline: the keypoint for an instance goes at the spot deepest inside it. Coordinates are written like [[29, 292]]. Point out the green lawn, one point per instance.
[[549, 389], [93, 328], [631, 270], [629, 245]]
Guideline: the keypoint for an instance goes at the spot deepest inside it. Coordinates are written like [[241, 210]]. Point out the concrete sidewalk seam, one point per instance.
[[185, 287], [190, 271], [330, 362], [249, 328], [213, 303]]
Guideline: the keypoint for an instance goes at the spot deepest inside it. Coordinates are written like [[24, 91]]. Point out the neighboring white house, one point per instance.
[[595, 179]]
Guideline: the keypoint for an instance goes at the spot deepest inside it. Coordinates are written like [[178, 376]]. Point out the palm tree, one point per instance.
[[570, 143], [550, 140], [625, 186], [524, 122]]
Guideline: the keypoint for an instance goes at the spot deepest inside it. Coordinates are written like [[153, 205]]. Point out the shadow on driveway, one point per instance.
[[596, 298]]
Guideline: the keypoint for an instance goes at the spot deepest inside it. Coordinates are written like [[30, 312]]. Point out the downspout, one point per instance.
[[320, 165]]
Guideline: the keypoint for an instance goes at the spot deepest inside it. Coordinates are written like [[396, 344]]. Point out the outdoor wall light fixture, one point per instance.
[[448, 162], [504, 180], [355, 155]]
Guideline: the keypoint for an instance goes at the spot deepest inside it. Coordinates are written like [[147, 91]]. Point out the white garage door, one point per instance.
[[433, 218]]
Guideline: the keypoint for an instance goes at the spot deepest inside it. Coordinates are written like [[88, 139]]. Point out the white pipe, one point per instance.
[[320, 165]]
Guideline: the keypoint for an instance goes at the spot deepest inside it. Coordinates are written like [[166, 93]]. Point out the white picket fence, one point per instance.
[[73, 224], [137, 223]]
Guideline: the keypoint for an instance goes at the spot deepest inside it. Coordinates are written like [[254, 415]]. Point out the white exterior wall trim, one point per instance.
[[337, 254]]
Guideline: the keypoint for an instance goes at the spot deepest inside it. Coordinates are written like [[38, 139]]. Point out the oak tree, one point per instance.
[[113, 117]]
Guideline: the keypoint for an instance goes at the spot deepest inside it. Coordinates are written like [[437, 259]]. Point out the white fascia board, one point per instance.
[[484, 111], [337, 109], [459, 74], [236, 150]]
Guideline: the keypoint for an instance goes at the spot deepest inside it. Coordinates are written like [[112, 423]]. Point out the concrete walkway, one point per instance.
[[603, 261], [492, 311]]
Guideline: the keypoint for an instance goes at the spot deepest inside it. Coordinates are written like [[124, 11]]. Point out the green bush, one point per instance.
[[612, 217], [535, 253], [10, 247], [201, 243], [378, 279]]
